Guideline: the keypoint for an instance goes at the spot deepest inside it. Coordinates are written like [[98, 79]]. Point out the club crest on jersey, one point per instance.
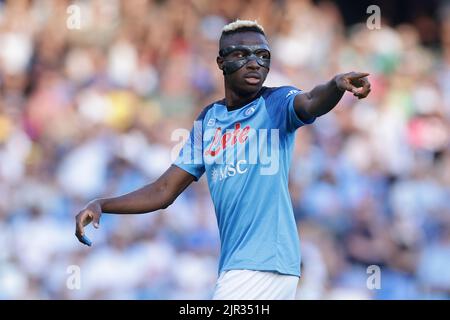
[[249, 111]]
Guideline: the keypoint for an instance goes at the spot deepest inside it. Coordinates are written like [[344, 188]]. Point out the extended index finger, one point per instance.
[[358, 75]]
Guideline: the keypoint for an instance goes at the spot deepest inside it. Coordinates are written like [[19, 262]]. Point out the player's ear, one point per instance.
[[219, 61]]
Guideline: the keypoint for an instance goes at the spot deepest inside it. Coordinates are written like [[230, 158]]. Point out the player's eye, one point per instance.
[[238, 54], [263, 54]]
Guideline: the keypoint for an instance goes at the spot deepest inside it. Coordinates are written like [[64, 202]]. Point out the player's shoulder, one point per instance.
[[209, 107], [280, 92]]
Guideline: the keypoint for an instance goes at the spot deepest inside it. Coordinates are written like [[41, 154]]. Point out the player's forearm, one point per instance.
[[323, 98], [149, 198]]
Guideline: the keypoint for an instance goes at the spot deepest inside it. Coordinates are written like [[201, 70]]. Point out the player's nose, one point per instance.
[[253, 64]]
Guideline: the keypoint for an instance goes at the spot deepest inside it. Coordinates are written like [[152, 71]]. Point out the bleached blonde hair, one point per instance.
[[235, 26]]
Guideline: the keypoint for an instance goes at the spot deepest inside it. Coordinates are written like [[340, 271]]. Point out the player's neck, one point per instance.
[[235, 101]]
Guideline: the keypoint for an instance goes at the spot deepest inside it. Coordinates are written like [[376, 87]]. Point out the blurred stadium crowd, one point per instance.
[[90, 112]]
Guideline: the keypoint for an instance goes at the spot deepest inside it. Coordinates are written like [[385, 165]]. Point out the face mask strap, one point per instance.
[[249, 48]]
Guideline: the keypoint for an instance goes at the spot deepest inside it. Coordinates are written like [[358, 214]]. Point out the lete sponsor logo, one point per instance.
[[222, 141], [212, 146]]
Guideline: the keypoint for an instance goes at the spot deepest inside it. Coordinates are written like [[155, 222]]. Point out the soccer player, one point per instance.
[[244, 145]]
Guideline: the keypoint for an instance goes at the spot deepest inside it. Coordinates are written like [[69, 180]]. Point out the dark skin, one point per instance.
[[241, 87], [237, 92]]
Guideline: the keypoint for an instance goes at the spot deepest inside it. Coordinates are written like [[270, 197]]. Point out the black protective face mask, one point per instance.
[[249, 53]]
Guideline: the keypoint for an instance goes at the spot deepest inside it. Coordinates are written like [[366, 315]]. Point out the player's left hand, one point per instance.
[[355, 82]]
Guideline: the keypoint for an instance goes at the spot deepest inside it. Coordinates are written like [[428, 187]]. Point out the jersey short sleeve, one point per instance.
[[190, 158], [280, 105]]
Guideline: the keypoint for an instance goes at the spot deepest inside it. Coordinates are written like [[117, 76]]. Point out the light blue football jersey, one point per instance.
[[246, 154]]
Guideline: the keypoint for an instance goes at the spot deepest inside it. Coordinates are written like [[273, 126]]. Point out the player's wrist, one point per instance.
[[97, 204], [337, 81]]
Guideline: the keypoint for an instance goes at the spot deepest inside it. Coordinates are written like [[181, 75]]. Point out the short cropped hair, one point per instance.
[[241, 26]]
